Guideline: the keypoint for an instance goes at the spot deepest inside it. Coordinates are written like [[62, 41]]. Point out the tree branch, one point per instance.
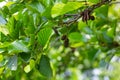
[[83, 14]]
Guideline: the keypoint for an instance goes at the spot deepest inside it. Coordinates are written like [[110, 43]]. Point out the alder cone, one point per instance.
[[92, 17], [63, 37], [66, 42]]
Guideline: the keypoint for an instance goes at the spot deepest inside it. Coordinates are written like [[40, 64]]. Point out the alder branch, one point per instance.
[[90, 9]]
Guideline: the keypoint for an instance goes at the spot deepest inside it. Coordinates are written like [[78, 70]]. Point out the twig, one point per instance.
[[69, 15], [83, 13], [73, 19]]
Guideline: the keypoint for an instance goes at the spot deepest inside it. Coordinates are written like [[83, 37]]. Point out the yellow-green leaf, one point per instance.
[[61, 8]]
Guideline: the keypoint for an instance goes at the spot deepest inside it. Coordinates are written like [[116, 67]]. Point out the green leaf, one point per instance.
[[56, 10], [46, 2], [27, 69], [94, 1], [91, 53], [13, 27], [106, 38], [84, 27], [12, 63], [2, 20], [49, 24], [18, 46], [70, 6], [2, 50], [32, 63], [64, 1], [9, 3], [76, 37], [25, 56], [81, 25], [1, 70], [110, 32], [3, 62], [4, 30], [44, 36], [30, 29], [15, 7], [32, 39], [102, 12], [30, 66], [47, 12], [36, 7], [61, 8], [44, 67], [1, 57]]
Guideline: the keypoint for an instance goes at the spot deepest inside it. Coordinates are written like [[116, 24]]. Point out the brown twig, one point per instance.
[[69, 15], [86, 13]]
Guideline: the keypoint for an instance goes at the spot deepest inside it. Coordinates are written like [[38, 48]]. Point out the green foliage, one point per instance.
[[61, 8], [93, 1], [57, 39], [12, 64], [76, 39], [44, 36], [44, 67]]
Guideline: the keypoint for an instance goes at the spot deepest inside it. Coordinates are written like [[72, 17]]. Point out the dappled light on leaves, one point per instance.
[[59, 39]]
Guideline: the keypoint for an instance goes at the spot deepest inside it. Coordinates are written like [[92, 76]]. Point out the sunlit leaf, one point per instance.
[[9, 3], [18, 46], [4, 29], [27, 68], [30, 66], [31, 31], [56, 10], [70, 6], [94, 1], [61, 8]]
